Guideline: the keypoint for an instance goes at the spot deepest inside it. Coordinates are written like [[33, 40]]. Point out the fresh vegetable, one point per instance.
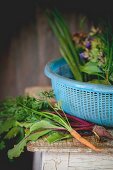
[[89, 55], [101, 132], [67, 47], [28, 119]]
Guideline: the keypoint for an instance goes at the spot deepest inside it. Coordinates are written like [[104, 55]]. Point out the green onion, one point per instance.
[[67, 47]]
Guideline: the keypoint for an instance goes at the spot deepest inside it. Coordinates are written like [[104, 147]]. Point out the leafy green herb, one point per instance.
[[6, 125], [46, 94], [91, 68], [20, 119]]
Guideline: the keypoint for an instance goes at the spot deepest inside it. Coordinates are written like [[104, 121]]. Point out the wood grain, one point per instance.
[[23, 63], [76, 161], [90, 162]]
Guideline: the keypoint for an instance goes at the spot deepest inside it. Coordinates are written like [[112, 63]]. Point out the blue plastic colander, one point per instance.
[[88, 101]]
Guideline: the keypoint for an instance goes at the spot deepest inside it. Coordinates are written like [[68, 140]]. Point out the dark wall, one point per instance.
[[14, 16], [24, 47]]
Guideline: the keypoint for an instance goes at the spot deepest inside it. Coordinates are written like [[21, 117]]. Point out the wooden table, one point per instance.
[[69, 154]]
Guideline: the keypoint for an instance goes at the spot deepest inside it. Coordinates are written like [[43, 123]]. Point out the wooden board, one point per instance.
[[70, 145], [76, 161]]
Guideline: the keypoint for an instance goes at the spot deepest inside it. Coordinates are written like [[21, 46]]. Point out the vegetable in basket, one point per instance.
[[89, 55]]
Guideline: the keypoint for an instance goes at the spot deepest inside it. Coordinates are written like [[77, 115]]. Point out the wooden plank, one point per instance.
[[47, 46], [90, 161], [7, 75], [37, 161], [71, 168], [76, 161], [55, 161], [69, 145]]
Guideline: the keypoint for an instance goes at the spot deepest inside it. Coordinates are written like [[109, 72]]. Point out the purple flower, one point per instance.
[[83, 55], [88, 44]]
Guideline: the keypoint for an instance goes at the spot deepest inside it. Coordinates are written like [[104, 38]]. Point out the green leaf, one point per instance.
[[111, 77], [6, 125], [2, 145], [19, 148], [67, 46], [43, 124], [12, 133], [96, 81], [57, 136], [90, 68], [36, 135], [24, 124]]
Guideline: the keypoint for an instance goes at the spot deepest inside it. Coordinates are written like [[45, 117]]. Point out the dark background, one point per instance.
[[16, 14], [24, 48]]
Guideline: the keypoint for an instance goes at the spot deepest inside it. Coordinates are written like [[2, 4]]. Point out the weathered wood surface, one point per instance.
[[70, 145], [76, 161]]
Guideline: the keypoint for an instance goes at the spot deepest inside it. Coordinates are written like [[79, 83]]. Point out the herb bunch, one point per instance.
[[27, 119]]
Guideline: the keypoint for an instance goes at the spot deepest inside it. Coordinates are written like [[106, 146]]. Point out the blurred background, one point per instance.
[[27, 44]]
